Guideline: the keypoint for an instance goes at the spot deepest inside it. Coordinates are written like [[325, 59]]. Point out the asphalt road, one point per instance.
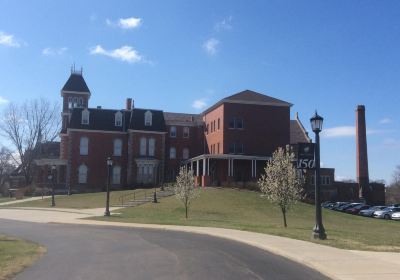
[[93, 252]]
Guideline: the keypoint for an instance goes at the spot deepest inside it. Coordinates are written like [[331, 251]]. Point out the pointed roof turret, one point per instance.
[[75, 83]]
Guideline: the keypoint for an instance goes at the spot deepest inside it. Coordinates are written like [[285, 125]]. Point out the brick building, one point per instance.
[[228, 142]]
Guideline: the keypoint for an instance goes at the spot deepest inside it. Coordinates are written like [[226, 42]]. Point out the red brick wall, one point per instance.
[[214, 135]]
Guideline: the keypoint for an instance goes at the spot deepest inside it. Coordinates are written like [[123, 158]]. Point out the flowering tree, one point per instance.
[[281, 183], [184, 188]]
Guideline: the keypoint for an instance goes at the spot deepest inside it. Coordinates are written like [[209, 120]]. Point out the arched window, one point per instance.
[[116, 175], [172, 153], [172, 131], [82, 174], [186, 132], [84, 146], [85, 116], [118, 119], [75, 102], [148, 118], [80, 102], [185, 153], [152, 146], [117, 147], [143, 141]]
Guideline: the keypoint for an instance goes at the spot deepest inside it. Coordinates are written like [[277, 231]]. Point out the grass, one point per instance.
[[5, 199], [16, 254], [246, 210], [84, 201]]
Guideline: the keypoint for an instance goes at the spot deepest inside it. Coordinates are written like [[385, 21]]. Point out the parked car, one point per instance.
[[370, 211], [385, 213], [344, 207], [354, 210], [327, 204], [338, 204], [395, 216]]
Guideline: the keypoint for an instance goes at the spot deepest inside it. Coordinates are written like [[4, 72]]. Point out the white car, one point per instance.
[[395, 216], [385, 213]]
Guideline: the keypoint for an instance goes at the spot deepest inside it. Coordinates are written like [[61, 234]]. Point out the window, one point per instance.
[[82, 174], [232, 123], [239, 123], [117, 147], [84, 146], [186, 132], [116, 175], [239, 148], [75, 102], [185, 153], [118, 119], [325, 180], [172, 153], [85, 116], [214, 126], [80, 102], [232, 148], [172, 131], [69, 102], [152, 144], [143, 146], [148, 118], [218, 123]]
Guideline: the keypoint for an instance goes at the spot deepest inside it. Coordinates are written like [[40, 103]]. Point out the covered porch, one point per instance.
[[223, 169]]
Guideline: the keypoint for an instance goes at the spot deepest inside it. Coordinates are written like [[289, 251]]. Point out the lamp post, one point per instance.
[[109, 167], [318, 230], [51, 178]]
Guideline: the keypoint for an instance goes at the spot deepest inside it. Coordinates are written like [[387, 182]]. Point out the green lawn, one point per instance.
[[83, 201], [16, 254], [245, 210], [5, 199]]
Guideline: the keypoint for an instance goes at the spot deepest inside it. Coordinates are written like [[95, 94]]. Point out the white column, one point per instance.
[[252, 168], [255, 168], [197, 168], [229, 167], [191, 165], [204, 166], [208, 167], [232, 171]]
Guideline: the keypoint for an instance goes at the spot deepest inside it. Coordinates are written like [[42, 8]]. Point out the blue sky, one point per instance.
[[180, 56]]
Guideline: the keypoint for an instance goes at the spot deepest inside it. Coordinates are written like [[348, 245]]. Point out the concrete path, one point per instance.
[[15, 201], [333, 262]]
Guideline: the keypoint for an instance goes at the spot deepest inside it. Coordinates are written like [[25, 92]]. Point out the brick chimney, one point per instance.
[[362, 156], [128, 104]]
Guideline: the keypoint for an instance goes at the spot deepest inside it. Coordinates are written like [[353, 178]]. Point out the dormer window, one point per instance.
[[118, 119], [85, 116], [148, 118]]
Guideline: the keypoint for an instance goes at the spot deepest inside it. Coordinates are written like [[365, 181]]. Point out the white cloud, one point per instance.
[[385, 121], [124, 53], [125, 23], [54, 51], [3, 100], [339, 131], [199, 104], [8, 40], [225, 24], [211, 46]]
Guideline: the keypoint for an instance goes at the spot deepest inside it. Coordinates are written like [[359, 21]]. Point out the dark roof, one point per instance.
[[298, 134], [49, 150], [182, 118], [104, 119], [250, 97], [77, 83]]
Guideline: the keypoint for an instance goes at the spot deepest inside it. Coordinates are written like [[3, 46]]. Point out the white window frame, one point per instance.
[[116, 175], [186, 132], [117, 147], [82, 174], [172, 132], [84, 146], [172, 153], [85, 116], [143, 146], [118, 118], [152, 147], [148, 118]]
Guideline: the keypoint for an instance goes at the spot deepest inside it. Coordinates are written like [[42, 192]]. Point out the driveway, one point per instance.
[[97, 252]]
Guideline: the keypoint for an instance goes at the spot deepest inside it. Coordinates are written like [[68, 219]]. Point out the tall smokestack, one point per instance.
[[362, 157]]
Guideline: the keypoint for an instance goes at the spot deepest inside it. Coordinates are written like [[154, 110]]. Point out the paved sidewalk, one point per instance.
[[23, 200], [333, 262]]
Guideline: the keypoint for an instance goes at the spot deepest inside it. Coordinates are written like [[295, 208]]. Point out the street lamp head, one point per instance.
[[53, 167], [316, 122], [50, 177], [109, 161]]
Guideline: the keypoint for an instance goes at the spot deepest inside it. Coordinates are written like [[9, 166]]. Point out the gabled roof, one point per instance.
[[298, 133], [137, 120], [76, 83], [250, 97]]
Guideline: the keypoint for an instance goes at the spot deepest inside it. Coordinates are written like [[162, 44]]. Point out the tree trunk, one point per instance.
[[284, 216], [186, 208]]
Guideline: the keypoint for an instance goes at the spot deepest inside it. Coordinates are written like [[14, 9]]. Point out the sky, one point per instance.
[[183, 56]]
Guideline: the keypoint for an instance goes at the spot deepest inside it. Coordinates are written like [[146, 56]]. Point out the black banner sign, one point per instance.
[[305, 156]]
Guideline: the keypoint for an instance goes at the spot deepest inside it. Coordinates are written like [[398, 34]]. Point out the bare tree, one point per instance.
[[393, 190], [26, 126], [184, 189], [281, 182], [6, 166]]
